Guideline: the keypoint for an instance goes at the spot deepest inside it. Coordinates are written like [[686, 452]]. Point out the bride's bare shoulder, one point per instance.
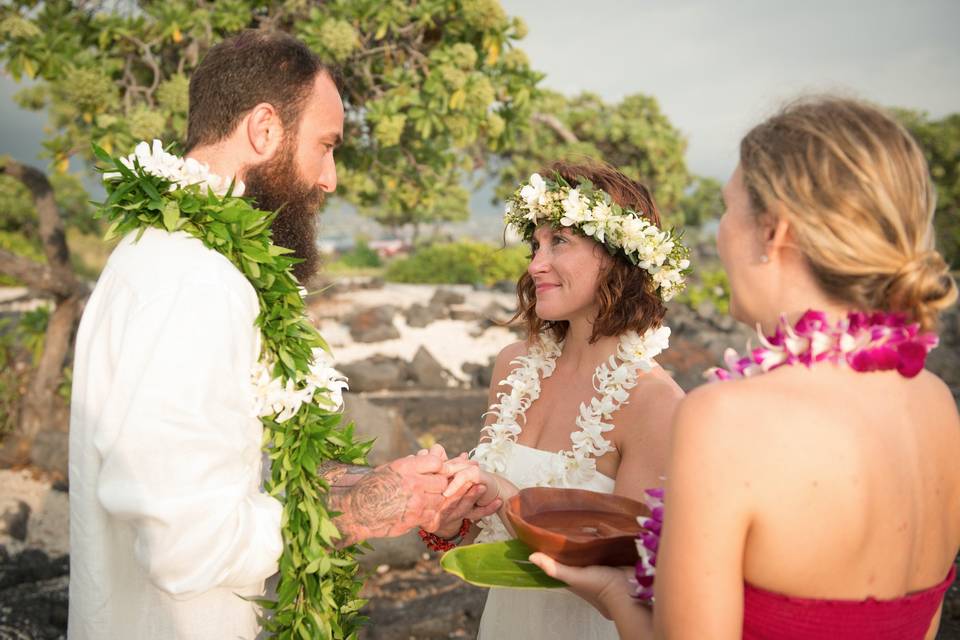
[[511, 352]]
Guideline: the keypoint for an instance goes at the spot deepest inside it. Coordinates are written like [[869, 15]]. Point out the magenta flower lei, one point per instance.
[[648, 541], [866, 342], [876, 341]]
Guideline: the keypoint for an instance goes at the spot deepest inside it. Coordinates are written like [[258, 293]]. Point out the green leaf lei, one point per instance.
[[318, 591]]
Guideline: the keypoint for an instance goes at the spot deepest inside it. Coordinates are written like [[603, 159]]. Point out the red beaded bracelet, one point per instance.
[[435, 542]]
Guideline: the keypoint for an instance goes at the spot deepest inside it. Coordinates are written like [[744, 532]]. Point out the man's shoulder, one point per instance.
[[159, 257]]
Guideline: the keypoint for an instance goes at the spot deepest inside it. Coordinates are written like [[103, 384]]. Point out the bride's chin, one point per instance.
[[548, 315]]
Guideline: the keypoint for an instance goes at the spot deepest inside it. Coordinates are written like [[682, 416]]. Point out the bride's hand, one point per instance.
[[460, 500], [465, 472], [600, 586]]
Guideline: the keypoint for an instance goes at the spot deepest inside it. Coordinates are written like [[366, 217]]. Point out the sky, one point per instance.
[[719, 66], [716, 67]]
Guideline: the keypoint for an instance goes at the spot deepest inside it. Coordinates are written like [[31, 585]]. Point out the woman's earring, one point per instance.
[[764, 259]]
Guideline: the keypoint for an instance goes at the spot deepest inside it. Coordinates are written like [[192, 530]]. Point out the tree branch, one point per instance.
[[60, 280], [556, 126]]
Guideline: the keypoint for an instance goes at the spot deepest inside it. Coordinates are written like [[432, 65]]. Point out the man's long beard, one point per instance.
[[276, 185]]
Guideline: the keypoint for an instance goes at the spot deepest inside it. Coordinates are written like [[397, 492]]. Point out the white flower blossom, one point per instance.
[[281, 400], [535, 192], [180, 172]]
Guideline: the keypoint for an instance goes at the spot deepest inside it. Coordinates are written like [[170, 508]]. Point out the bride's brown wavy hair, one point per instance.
[[626, 298]]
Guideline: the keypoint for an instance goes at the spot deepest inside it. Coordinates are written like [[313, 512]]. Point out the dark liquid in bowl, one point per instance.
[[585, 525]]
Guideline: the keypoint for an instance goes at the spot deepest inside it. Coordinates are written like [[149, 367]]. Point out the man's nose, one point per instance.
[[328, 174]]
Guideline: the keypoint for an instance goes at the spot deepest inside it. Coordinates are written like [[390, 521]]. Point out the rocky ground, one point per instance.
[[419, 359]]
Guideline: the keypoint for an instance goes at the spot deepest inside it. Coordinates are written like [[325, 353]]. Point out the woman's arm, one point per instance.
[[643, 435], [465, 506], [699, 581]]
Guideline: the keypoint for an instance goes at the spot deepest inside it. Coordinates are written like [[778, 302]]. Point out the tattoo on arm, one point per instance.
[[340, 474], [371, 502]]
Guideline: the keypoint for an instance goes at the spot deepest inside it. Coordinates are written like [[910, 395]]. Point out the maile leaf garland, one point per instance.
[[299, 393]]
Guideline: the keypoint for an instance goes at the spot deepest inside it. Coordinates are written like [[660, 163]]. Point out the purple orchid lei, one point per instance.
[[865, 341], [648, 541], [876, 341]]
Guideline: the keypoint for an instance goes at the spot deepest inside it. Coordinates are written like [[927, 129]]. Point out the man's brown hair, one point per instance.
[[241, 72]]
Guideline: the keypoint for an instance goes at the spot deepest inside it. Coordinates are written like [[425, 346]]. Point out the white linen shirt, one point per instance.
[[168, 524]]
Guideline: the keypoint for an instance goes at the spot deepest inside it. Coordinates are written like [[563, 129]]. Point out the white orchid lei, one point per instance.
[[594, 214], [296, 391], [612, 380]]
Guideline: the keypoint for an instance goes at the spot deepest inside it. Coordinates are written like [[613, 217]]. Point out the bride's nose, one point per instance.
[[539, 263]]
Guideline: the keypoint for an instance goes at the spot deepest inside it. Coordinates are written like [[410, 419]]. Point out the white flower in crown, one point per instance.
[[535, 192], [592, 213], [575, 209]]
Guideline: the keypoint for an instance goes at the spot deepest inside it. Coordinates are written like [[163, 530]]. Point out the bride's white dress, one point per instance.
[[547, 613], [555, 614]]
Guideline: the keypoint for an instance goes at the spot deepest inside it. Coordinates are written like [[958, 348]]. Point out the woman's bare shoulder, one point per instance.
[[512, 351]]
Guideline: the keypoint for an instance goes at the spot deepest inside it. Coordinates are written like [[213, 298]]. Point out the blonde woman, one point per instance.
[[816, 494]]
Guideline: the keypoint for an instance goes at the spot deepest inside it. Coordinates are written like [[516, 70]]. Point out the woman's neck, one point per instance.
[[793, 309], [578, 352]]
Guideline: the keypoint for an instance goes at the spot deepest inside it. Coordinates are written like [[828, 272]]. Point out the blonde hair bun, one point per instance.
[[856, 190]]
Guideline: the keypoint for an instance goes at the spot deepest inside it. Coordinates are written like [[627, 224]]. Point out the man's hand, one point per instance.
[[388, 500]]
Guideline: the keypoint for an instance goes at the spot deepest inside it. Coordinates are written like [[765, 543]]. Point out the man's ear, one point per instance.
[[264, 130]]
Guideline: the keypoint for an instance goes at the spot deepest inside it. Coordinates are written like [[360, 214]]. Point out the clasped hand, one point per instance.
[[451, 489]]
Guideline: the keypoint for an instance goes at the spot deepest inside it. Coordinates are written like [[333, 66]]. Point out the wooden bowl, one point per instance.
[[577, 527]]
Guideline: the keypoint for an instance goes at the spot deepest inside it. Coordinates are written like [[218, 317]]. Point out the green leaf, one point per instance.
[[497, 564], [148, 187], [171, 214]]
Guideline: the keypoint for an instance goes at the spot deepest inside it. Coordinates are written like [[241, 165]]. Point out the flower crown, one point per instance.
[[592, 213]]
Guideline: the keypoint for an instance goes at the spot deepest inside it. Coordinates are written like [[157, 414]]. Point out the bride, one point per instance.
[[581, 402]]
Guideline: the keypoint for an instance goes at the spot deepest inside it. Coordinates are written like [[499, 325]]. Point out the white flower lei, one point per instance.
[[272, 397], [181, 172], [281, 401], [592, 212], [612, 380]]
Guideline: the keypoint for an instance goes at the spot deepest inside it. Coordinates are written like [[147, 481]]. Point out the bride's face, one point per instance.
[[565, 268]]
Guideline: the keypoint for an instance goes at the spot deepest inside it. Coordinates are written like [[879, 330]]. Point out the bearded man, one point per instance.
[[169, 522]]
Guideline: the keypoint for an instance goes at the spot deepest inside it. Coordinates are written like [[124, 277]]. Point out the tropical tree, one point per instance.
[[430, 87], [940, 140], [633, 135]]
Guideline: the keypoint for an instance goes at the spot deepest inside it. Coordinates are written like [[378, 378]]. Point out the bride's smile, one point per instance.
[[565, 268]]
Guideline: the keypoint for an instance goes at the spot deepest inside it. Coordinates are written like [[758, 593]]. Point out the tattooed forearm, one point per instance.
[[340, 474], [370, 506]]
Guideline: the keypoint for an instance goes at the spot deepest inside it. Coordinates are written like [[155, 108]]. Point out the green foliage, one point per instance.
[[464, 262], [361, 257], [711, 286], [940, 140], [430, 88], [20, 245], [21, 345], [701, 202], [32, 331], [318, 590], [18, 213], [12, 382], [633, 135]]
